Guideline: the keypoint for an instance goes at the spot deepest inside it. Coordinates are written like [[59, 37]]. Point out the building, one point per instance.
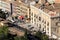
[[46, 18], [44, 14], [20, 9], [16, 8], [53, 1], [57, 1], [34, 15], [5, 5]]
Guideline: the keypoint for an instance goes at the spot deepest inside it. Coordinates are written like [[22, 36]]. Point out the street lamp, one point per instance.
[[11, 9]]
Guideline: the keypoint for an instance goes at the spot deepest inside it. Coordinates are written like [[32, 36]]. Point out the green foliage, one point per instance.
[[5, 36], [3, 32], [2, 14], [44, 37], [41, 36], [38, 34], [21, 38], [17, 38]]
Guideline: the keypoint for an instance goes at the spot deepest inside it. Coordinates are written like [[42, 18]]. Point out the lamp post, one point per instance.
[[11, 8]]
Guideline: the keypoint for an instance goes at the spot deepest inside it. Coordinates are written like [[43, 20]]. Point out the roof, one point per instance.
[[54, 7], [6, 1], [53, 10]]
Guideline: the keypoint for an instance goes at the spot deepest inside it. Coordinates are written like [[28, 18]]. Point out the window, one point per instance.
[[45, 26], [39, 18], [32, 18], [37, 25], [32, 21], [26, 16], [48, 28], [54, 29], [35, 20], [43, 29], [57, 31], [53, 19], [35, 15], [59, 19], [32, 14], [43, 20], [47, 23], [40, 26], [57, 23], [16, 17]]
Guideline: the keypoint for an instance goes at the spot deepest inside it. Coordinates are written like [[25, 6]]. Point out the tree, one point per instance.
[[22, 37], [3, 32], [25, 36], [44, 37], [4, 35], [17, 38], [41, 36], [2, 14]]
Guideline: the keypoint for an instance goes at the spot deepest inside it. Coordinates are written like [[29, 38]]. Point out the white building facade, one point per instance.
[[44, 21]]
